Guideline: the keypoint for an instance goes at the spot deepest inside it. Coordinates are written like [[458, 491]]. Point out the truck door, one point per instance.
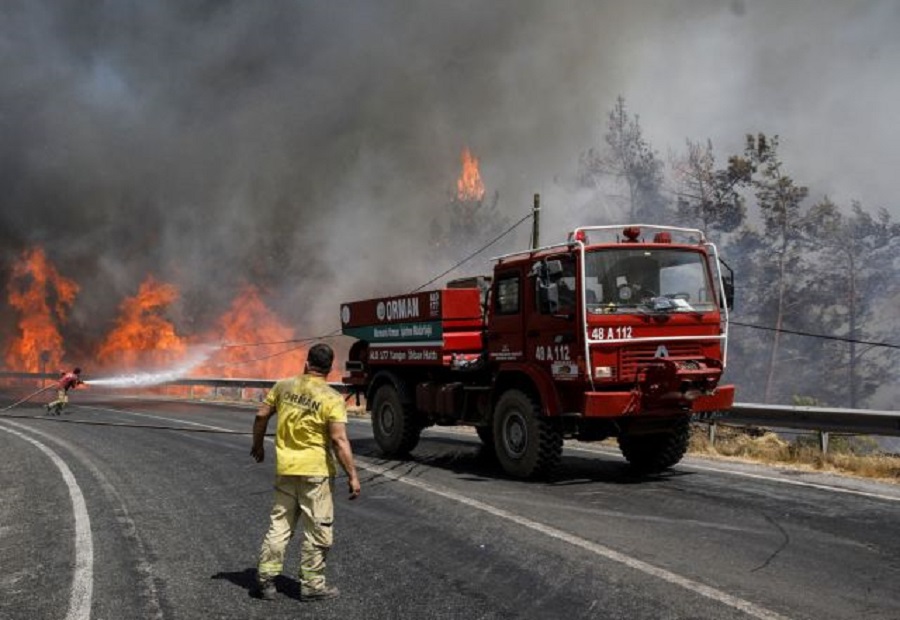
[[551, 339], [505, 332]]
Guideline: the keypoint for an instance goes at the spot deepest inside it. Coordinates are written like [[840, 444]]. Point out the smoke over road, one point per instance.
[[306, 147]]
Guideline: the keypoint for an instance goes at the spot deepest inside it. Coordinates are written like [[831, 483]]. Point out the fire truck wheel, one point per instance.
[[526, 444], [657, 451], [393, 424]]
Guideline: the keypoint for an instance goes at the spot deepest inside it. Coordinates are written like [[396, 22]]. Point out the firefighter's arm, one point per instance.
[[260, 423], [344, 454]]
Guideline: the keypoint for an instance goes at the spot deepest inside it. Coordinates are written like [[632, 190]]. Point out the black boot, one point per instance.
[[265, 589]]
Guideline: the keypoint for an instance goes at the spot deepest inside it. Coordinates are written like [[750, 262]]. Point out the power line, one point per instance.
[[887, 345], [279, 353], [474, 254], [337, 332], [243, 345]]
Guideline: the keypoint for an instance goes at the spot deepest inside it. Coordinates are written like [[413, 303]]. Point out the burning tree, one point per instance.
[[256, 342], [468, 220], [42, 297], [142, 334]]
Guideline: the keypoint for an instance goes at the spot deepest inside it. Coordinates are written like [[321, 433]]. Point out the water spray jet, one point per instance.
[[197, 356]]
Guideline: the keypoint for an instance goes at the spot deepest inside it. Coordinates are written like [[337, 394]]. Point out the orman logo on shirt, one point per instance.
[[303, 400]]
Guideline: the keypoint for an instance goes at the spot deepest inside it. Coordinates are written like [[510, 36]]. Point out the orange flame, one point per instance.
[[42, 297], [250, 321], [469, 186], [142, 334]]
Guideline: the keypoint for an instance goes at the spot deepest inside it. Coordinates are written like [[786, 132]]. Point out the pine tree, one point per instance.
[[779, 200], [709, 198], [628, 159], [857, 274]]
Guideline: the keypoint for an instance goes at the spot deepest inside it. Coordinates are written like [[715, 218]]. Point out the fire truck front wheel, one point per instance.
[[655, 452], [393, 424], [526, 444]]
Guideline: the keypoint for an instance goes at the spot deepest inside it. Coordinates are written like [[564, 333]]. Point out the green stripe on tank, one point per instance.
[[398, 332]]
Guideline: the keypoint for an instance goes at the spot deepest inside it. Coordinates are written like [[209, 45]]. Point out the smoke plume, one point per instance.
[[306, 147]]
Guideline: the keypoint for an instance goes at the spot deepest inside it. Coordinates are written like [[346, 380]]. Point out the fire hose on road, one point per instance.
[[29, 397]]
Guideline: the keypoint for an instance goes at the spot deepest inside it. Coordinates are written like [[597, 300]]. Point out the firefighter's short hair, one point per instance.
[[320, 357]]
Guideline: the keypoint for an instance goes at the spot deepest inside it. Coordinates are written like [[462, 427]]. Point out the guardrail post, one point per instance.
[[712, 433], [823, 442]]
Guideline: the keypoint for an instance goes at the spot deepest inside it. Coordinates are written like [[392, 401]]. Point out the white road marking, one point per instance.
[[83, 575], [767, 478], [718, 470], [709, 592], [799, 483], [153, 417]]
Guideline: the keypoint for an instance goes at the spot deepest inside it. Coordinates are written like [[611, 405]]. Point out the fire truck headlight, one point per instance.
[[603, 372]]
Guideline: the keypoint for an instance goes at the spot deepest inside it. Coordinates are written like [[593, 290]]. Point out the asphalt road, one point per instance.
[[128, 508]]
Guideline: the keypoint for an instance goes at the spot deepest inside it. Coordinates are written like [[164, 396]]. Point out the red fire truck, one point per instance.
[[619, 332]]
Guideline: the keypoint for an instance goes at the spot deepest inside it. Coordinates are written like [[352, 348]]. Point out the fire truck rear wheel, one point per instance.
[[657, 451], [393, 423], [526, 444]]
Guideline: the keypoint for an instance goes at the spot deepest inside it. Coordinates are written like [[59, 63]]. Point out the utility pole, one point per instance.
[[536, 222], [44, 358]]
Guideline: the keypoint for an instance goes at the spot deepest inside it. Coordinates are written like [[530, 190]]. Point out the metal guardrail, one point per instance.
[[820, 419]]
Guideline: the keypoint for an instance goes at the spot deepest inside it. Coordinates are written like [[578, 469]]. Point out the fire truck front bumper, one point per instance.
[[617, 404]]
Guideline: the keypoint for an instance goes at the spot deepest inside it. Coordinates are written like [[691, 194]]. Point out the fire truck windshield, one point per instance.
[[666, 280]]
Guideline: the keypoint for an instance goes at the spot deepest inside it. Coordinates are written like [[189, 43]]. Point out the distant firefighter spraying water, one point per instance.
[[67, 381]]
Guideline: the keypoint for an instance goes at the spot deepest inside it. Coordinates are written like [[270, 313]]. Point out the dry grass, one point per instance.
[[845, 456]]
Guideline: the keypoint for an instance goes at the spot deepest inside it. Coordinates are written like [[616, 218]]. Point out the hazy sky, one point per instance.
[[307, 146]]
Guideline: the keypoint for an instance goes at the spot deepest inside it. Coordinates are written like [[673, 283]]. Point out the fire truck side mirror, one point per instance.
[[554, 269], [727, 285], [729, 292], [546, 271], [548, 296], [547, 274]]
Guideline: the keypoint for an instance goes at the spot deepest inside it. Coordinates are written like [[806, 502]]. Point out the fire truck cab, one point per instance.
[[620, 331]]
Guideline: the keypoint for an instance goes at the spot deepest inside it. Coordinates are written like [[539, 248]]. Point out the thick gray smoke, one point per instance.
[[307, 146]]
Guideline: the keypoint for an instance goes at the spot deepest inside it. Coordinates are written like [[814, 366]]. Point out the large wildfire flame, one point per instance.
[[247, 322], [469, 186], [143, 340], [142, 335], [42, 297]]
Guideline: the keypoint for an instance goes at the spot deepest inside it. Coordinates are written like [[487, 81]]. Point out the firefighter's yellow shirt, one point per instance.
[[305, 405]]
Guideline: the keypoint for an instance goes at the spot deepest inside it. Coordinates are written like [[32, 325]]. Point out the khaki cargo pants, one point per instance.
[[62, 399], [309, 500]]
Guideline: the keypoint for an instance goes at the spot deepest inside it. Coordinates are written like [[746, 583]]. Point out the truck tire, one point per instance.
[[657, 451], [526, 444], [393, 424]]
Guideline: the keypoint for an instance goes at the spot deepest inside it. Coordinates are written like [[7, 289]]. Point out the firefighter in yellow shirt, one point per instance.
[[311, 430]]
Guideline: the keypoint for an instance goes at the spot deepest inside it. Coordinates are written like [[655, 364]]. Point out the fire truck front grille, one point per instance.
[[633, 358]]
